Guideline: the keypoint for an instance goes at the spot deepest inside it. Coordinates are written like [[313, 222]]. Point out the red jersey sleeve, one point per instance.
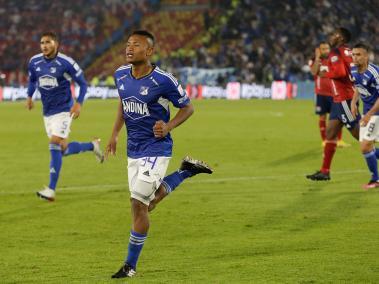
[[336, 67]]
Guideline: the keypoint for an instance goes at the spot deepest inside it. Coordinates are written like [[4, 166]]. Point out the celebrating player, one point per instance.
[[339, 63], [51, 71], [366, 80], [323, 91], [145, 92]]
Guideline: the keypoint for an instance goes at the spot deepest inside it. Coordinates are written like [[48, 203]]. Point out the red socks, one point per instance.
[[329, 150]]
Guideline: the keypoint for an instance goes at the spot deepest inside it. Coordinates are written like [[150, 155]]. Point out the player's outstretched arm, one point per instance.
[[161, 129], [112, 143]]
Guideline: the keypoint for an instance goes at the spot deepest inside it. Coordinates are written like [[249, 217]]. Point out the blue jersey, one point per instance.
[[52, 77], [367, 85], [145, 101]]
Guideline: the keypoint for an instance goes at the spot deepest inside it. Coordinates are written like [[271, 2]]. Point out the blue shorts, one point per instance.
[[341, 111], [323, 104]]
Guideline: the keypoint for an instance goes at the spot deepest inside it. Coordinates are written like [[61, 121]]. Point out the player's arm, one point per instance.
[[354, 103], [77, 75], [315, 64], [375, 108], [336, 68], [366, 118], [119, 122], [161, 129], [31, 87]]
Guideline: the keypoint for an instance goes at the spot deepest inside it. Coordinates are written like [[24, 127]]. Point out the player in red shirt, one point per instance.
[[323, 90], [338, 70]]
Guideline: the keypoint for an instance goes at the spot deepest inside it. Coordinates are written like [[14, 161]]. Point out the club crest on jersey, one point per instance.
[[53, 69], [144, 91], [47, 82], [134, 108], [38, 69]]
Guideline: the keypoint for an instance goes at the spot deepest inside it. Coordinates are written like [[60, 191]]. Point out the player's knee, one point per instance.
[[366, 147], [331, 134], [56, 140], [139, 208]]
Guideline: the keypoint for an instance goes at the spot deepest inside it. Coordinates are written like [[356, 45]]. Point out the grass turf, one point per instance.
[[255, 220]]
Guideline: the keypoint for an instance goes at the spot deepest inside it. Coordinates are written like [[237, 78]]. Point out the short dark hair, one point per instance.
[[143, 33], [345, 33], [323, 42], [362, 45], [50, 34]]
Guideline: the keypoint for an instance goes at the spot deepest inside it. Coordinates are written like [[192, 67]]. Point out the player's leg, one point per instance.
[[138, 235], [340, 142], [322, 128], [189, 168], [57, 128], [340, 115], [143, 176], [80, 147], [323, 107], [368, 134], [334, 126]]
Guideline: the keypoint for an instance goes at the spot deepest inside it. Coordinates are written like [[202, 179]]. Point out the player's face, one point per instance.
[[324, 50], [334, 39], [49, 46], [138, 49], [360, 57]]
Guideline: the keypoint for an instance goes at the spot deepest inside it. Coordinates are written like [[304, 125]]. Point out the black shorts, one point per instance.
[[323, 104], [342, 112]]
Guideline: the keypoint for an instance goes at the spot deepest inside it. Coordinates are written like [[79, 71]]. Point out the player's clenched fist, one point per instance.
[[160, 129]]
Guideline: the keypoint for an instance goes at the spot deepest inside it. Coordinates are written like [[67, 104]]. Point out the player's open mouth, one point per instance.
[[129, 55]]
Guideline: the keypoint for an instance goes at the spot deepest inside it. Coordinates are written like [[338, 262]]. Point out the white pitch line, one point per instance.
[[214, 180]]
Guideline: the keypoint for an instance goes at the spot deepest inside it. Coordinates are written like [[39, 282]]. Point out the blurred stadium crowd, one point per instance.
[[260, 40]]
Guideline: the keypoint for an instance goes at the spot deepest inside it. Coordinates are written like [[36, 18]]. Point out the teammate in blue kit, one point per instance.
[[145, 92], [51, 72], [366, 81]]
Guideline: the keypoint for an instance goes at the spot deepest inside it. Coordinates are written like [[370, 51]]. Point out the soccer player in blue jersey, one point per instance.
[[51, 72], [366, 81], [145, 92]]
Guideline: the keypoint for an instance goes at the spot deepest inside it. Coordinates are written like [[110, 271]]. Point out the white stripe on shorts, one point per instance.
[[347, 111]]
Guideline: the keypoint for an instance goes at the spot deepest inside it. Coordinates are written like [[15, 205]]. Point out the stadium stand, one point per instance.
[[261, 40], [82, 31]]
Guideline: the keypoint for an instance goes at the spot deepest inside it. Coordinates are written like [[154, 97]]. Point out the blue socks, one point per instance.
[[56, 158], [136, 242], [172, 181], [55, 164], [76, 147], [372, 164], [376, 153]]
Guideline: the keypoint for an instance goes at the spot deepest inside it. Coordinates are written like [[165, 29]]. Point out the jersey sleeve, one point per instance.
[[32, 80], [77, 75], [336, 67], [375, 79], [175, 94]]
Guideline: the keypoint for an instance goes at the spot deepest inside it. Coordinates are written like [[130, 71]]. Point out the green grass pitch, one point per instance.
[[255, 220]]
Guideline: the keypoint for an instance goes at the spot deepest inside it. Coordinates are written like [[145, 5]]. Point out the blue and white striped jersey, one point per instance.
[[52, 77], [367, 84], [145, 101]]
